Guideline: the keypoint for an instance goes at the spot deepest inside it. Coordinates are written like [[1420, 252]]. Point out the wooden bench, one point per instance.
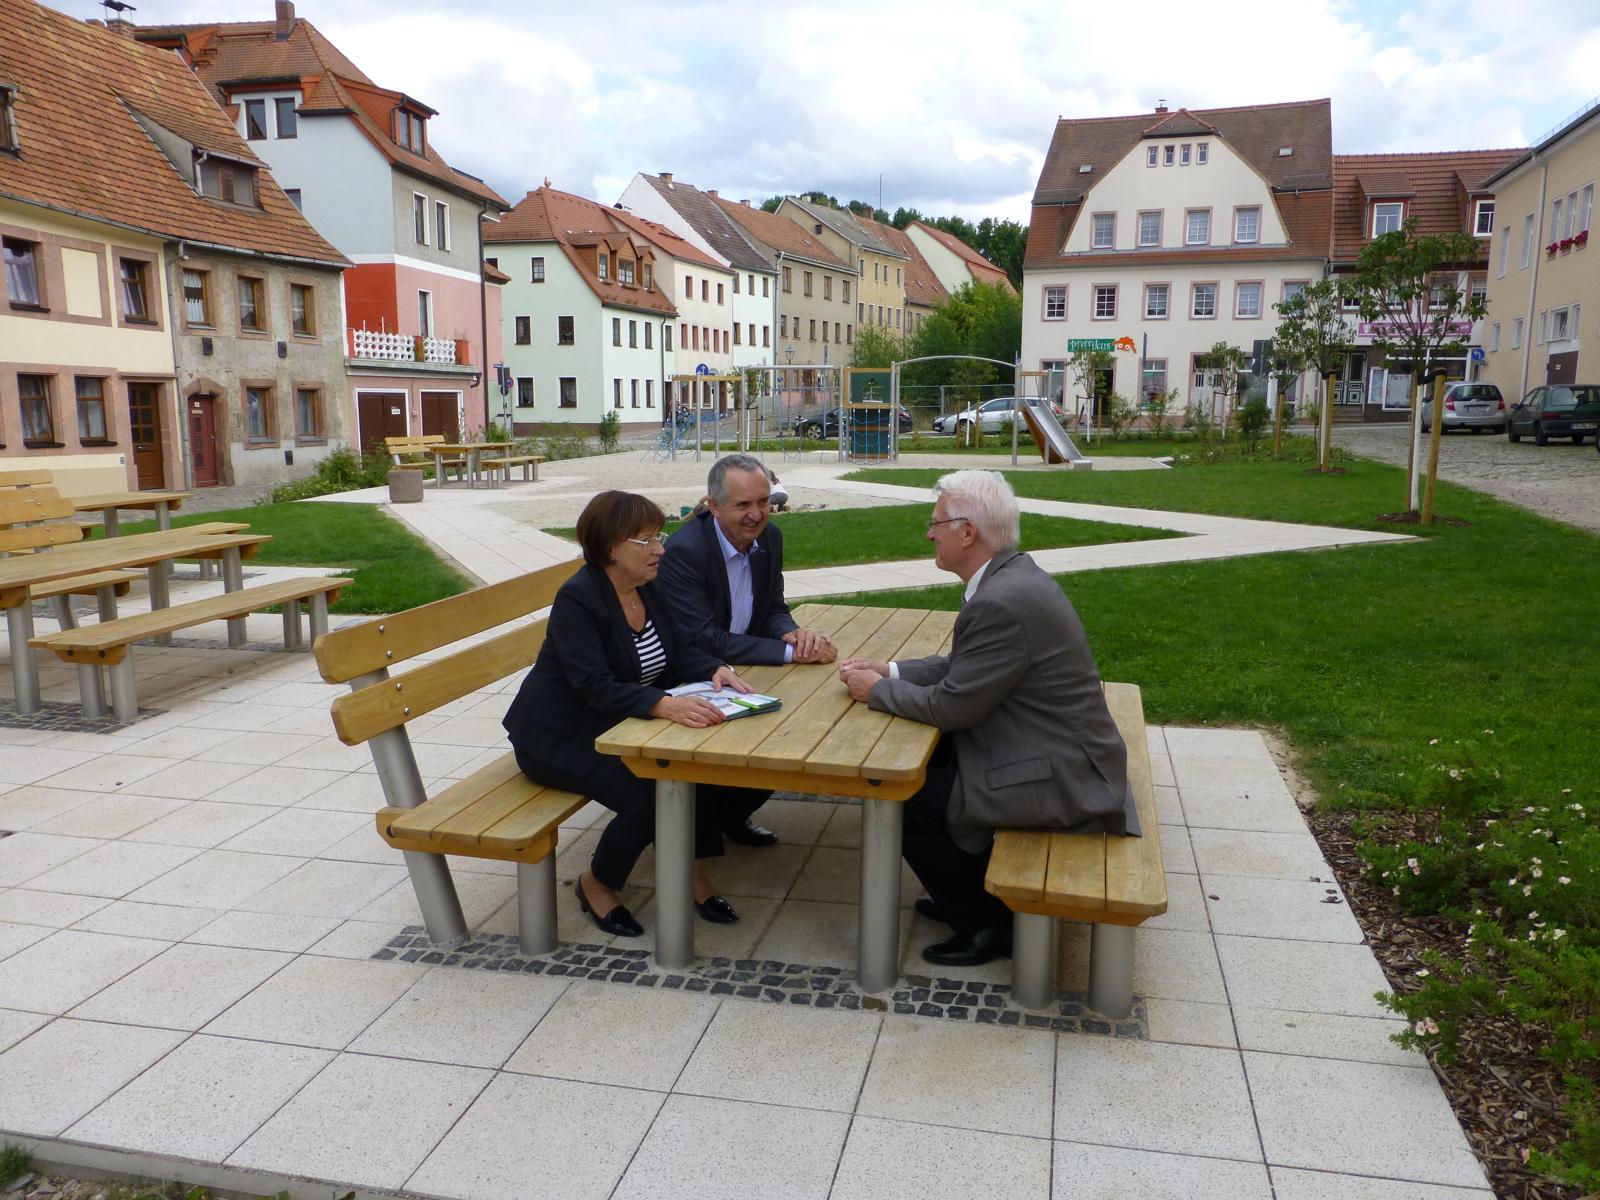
[[109, 643], [404, 451], [1114, 883], [495, 813], [528, 462]]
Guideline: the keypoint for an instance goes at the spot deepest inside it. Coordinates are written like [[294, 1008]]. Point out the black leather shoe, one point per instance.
[[717, 910], [970, 949], [619, 921], [750, 834], [929, 909]]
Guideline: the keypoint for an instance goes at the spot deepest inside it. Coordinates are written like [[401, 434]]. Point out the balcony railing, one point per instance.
[[408, 347]]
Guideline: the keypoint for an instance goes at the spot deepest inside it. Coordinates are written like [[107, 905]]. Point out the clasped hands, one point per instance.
[[859, 674], [811, 646], [696, 711]]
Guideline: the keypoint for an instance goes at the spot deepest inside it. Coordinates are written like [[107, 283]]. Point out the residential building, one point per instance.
[[1169, 232], [1542, 279], [592, 328], [1375, 193], [359, 160], [924, 291], [814, 300], [880, 266], [696, 217], [952, 261], [170, 319]]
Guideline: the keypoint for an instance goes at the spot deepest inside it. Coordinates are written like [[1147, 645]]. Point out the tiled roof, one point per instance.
[[83, 150], [979, 267], [493, 274], [707, 219], [233, 56], [921, 284], [1255, 132], [574, 223], [845, 224], [1179, 124], [781, 234], [666, 240], [1436, 187]]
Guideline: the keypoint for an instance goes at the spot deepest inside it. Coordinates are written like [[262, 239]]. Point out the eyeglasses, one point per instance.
[[653, 540], [932, 525]]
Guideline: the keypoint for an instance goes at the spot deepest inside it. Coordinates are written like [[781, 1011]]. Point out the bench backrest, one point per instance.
[[373, 648], [33, 504], [16, 479], [403, 447]]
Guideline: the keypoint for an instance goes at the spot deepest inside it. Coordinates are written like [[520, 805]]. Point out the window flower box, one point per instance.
[[1582, 238], [1550, 250], [1566, 245]]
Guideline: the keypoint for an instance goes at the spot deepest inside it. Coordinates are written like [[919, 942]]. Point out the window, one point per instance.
[[1559, 326], [252, 314], [783, 325], [283, 108], [649, 336], [633, 389], [419, 217], [1494, 337], [897, 279], [845, 295], [1438, 294], [859, 310], [302, 309], [1483, 218], [1055, 304], [1197, 227], [1555, 218], [22, 272], [806, 286], [788, 282], [849, 335], [737, 334], [308, 413], [705, 291], [1183, 154], [649, 393], [1478, 289], [1588, 208], [604, 262], [813, 329], [524, 391], [1203, 305], [616, 331], [1387, 218], [1150, 228], [408, 130], [616, 393], [766, 335], [38, 419], [719, 293], [633, 338], [766, 285], [1505, 254], [827, 287], [91, 408], [875, 272], [645, 276], [688, 288], [1156, 301], [255, 120], [1247, 224], [1152, 155], [1152, 377], [1202, 152], [564, 336], [824, 331], [232, 182], [258, 414], [1104, 235], [294, 198], [441, 224], [1105, 301], [1516, 333], [625, 271], [537, 275], [1572, 213], [1539, 330], [524, 330], [569, 392], [425, 314], [1527, 240], [1247, 300], [135, 297], [666, 338], [1169, 154], [1293, 288], [8, 122]]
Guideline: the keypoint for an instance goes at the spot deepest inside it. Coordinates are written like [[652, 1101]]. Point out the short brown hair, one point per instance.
[[612, 516]]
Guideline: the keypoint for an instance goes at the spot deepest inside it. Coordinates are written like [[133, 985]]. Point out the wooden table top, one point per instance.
[[820, 740], [452, 447], [106, 500], [22, 571]]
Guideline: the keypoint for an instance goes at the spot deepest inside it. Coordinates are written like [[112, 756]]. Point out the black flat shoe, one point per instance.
[[970, 949], [717, 910], [750, 834], [619, 921], [929, 909]]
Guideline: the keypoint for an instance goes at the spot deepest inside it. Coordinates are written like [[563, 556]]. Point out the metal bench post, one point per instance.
[[24, 664], [1111, 969], [318, 609], [159, 597], [106, 599], [63, 610], [674, 873], [232, 581], [536, 905], [291, 624], [1033, 959], [124, 691]]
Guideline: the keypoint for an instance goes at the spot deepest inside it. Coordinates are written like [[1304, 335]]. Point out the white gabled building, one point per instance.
[[1174, 231]]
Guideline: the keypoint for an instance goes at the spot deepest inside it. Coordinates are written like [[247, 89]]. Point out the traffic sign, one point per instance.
[[1074, 345], [1478, 355], [702, 369]]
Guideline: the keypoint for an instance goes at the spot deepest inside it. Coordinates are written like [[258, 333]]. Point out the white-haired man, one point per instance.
[[1031, 743]]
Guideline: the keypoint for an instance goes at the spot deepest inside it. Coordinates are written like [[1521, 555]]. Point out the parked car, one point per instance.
[[994, 415], [1556, 411], [820, 427], [1471, 406]]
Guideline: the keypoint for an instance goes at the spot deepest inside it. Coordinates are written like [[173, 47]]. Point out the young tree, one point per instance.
[[1313, 330], [1229, 364], [1287, 364], [1410, 286], [1086, 367]]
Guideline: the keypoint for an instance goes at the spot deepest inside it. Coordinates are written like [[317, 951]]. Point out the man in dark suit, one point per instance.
[[1031, 742], [723, 578]]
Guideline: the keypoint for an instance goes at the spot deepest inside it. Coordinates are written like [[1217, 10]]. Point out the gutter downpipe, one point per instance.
[[483, 321], [777, 291], [1533, 283]]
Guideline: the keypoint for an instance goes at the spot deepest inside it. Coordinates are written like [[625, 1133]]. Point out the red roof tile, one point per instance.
[[780, 233], [979, 267], [922, 285], [1435, 186]]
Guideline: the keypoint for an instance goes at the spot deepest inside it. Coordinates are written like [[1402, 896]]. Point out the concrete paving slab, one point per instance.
[[1263, 855], [16, 1025], [1324, 1035], [315, 1001], [1318, 977], [899, 1160], [772, 1055], [56, 1075], [1084, 1171], [59, 972], [1280, 908], [467, 1018], [1291, 1184]]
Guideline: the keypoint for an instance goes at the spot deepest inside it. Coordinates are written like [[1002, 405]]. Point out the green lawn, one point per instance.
[[393, 569], [842, 536]]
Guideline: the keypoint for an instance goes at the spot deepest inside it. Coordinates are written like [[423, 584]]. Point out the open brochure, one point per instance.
[[730, 703]]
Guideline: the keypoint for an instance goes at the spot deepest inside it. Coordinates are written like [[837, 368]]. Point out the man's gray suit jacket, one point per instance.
[[1036, 746]]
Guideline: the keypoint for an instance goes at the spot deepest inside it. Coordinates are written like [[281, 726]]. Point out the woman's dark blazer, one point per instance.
[[586, 677]]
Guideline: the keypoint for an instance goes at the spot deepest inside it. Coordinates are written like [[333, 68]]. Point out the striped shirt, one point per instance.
[[652, 654]]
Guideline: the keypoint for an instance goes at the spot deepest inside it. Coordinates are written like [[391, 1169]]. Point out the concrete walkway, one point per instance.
[[209, 972]]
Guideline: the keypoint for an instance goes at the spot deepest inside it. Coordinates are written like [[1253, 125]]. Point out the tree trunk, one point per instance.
[[1412, 424], [1277, 422], [1325, 462], [1433, 448]]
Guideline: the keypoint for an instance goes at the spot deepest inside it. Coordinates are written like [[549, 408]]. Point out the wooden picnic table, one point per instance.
[[107, 504], [150, 550], [819, 741], [473, 451]]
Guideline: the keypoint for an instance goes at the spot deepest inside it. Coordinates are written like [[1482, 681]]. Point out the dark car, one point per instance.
[[1557, 411], [820, 427]]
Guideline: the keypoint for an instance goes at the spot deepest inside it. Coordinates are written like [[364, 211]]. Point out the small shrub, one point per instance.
[[341, 470], [1117, 415], [610, 432], [1158, 408], [15, 1162], [1252, 418], [558, 446]]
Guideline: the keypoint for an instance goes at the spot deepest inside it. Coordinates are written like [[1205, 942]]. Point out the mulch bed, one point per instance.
[[1413, 517], [1506, 1095]]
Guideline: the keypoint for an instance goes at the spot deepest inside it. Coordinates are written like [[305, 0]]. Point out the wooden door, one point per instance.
[[440, 415], [203, 440], [379, 415], [144, 429]]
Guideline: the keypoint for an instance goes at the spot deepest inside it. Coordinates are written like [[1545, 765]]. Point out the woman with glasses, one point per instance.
[[610, 652]]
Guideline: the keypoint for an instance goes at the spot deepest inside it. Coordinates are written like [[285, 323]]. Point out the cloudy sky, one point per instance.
[[952, 105]]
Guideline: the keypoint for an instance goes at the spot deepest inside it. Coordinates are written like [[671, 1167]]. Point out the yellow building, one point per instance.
[[880, 266]]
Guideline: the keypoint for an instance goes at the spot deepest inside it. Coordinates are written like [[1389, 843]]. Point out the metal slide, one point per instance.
[[1052, 440]]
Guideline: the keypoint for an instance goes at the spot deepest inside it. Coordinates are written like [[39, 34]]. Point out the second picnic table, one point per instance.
[[820, 741], [107, 505]]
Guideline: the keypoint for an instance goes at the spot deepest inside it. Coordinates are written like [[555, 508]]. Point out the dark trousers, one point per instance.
[[952, 877], [634, 801]]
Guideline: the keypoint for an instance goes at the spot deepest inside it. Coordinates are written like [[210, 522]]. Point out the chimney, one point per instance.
[[1161, 106], [712, 192], [746, 203], [283, 20], [666, 178]]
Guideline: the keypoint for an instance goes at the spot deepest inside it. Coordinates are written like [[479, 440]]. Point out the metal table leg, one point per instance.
[[157, 571], [110, 519], [438, 470], [164, 521], [24, 666], [1111, 969], [232, 581], [674, 873], [878, 943]]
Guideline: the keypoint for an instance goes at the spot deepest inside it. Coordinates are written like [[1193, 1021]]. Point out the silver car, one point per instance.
[[1471, 406]]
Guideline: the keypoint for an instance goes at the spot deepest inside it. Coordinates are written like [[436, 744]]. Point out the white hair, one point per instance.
[[986, 500]]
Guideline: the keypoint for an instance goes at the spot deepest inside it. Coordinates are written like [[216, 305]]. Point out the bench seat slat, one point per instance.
[[422, 820], [469, 824], [1017, 865], [1136, 878], [536, 816], [1077, 874], [88, 585]]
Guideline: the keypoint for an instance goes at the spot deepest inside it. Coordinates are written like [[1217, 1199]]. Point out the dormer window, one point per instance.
[[605, 265], [1387, 217], [408, 129], [255, 120], [1483, 218], [8, 118], [228, 181], [647, 280], [625, 271]]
